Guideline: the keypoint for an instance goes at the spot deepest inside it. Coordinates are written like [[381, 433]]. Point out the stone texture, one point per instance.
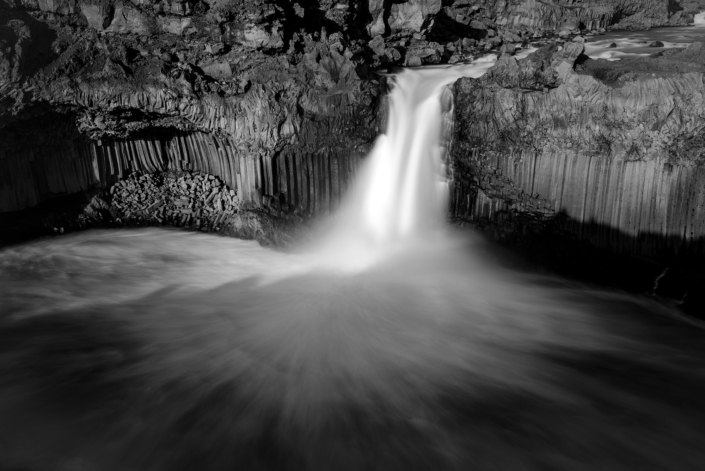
[[616, 147], [298, 181], [91, 90]]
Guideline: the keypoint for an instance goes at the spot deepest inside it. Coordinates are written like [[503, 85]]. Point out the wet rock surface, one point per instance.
[[193, 201], [227, 68], [190, 200], [631, 124], [289, 102], [589, 154], [201, 202]]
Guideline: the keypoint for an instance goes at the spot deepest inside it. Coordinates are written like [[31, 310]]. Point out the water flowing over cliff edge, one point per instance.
[[401, 192], [282, 113], [159, 349]]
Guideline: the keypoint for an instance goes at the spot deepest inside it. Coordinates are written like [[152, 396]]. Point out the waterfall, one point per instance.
[[165, 350], [400, 198], [699, 19], [401, 193]]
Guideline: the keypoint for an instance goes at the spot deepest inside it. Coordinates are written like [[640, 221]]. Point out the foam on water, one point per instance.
[[637, 43], [162, 350], [156, 349], [699, 19], [401, 194]]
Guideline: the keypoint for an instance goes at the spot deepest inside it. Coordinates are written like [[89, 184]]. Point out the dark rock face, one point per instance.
[[276, 99], [609, 153], [268, 194], [193, 200], [118, 67], [615, 146]]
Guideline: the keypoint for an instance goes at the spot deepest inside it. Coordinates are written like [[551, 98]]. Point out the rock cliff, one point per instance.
[[115, 67], [278, 100], [609, 153], [617, 147]]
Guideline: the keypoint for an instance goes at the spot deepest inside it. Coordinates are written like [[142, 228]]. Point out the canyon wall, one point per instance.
[[278, 100], [615, 147], [592, 14], [254, 70], [290, 181]]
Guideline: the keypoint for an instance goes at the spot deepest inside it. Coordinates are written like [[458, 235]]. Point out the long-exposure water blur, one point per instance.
[[159, 349], [394, 343]]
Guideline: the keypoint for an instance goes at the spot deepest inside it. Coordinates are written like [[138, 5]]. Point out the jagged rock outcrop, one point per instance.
[[617, 147], [91, 90], [291, 182], [591, 14], [193, 200], [119, 66]]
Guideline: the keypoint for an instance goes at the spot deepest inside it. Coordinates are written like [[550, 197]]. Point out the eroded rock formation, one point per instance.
[[254, 70], [617, 147], [278, 100], [608, 153]]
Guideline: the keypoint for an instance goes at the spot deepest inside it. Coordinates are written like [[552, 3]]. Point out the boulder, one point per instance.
[[393, 54], [61, 7], [174, 25], [218, 70], [377, 26], [377, 45], [253, 36], [409, 17], [509, 49], [413, 61]]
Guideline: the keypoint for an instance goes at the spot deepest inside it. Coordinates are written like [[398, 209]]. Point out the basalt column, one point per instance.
[[312, 182], [623, 161]]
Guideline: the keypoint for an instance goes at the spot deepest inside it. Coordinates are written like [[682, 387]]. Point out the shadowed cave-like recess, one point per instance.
[[309, 182], [545, 154]]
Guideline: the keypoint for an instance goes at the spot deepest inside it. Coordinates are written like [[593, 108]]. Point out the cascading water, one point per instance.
[[400, 197], [699, 19], [155, 349], [402, 190]]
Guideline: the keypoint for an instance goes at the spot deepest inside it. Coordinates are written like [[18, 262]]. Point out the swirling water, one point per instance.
[[156, 349]]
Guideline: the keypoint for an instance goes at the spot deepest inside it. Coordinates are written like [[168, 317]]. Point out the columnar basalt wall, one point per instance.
[[623, 159], [291, 180], [280, 95], [638, 207]]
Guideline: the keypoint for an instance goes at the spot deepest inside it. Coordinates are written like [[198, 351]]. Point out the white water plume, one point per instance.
[[400, 197], [157, 352], [161, 350], [699, 19], [401, 192]]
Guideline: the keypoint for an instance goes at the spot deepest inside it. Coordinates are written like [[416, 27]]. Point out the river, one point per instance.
[[390, 343]]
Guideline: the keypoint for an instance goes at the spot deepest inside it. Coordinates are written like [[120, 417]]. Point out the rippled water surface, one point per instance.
[[637, 43]]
